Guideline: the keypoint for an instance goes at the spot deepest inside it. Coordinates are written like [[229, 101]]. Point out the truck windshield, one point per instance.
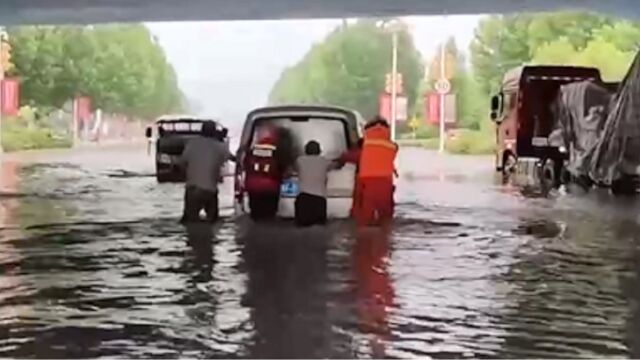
[[331, 133]]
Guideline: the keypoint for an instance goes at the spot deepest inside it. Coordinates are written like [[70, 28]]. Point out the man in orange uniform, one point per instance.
[[375, 175]]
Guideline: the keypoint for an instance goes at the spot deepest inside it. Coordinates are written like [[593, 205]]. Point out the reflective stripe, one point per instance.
[[380, 142], [264, 146]]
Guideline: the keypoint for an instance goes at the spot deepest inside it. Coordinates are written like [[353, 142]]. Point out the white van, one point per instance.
[[336, 129]]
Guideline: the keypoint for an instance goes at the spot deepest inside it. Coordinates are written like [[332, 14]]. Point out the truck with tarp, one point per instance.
[[560, 124]]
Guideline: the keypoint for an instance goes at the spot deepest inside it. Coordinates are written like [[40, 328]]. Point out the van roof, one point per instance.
[[303, 108], [352, 118]]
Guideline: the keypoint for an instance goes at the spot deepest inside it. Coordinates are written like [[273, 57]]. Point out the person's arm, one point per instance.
[[335, 164], [350, 156], [231, 157], [183, 160], [292, 170]]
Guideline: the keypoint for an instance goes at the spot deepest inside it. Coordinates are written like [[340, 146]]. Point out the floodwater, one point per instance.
[[94, 263]]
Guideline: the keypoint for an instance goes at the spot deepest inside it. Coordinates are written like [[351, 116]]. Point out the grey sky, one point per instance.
[[229, 67]]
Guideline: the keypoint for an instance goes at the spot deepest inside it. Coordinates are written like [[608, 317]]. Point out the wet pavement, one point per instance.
[[94, 263]]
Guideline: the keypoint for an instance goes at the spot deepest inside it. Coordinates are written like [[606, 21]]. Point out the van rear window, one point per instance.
[[331, 133]]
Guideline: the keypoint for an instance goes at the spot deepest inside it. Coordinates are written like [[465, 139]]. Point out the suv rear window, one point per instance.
[[331, 133]]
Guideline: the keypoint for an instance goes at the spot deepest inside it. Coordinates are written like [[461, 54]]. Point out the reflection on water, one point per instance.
[[94, 263], [373, 286], [287, 291]]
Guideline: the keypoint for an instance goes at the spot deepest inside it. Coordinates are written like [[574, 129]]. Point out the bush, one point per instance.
[[427, 132], [16, 137], [466, 141]]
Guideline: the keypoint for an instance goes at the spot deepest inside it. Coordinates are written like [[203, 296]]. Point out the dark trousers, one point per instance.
[[196, 199], [263, 205], [310, 210]]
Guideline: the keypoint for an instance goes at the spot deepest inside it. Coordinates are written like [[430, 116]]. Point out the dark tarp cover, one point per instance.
[[617, 152], [580, 112]]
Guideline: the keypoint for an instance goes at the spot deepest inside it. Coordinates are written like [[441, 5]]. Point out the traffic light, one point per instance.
[[388, 83], [5, 55]]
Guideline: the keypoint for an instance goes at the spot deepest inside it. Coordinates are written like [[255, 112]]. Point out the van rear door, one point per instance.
[[332, 132]]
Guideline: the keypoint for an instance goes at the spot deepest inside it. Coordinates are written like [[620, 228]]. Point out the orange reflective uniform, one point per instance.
[[375, 176]]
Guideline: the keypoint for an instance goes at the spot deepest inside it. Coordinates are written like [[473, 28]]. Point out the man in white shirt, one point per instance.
[[311, 202]]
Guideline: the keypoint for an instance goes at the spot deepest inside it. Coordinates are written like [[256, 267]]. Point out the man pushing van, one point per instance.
[[265, 163], [373, 203], [203, 158]]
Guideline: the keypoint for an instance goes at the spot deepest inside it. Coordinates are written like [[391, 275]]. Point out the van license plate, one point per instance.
[[289, 188]]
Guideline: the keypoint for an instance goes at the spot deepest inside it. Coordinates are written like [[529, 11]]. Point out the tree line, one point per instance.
[[349, 66], [120, 67]]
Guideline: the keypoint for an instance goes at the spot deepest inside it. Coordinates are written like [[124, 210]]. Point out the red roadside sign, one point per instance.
[[432, 104], [10, 100], [384, 108], [83, 108]]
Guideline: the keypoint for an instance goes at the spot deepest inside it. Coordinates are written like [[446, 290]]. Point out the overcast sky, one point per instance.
[[229, 67]]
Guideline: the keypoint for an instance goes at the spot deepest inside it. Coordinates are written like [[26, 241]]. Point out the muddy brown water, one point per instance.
[[94, 263]]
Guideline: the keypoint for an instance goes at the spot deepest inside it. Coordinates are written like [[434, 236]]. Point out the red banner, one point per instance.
[[82, 108], [384, 109], [432, 105], [10, 100], [384, 103]]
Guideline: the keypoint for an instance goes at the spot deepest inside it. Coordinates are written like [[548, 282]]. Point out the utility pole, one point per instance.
[[394, 84], [2, 69], [442, 97]]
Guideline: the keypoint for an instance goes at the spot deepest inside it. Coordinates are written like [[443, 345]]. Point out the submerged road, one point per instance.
[[94, 263]]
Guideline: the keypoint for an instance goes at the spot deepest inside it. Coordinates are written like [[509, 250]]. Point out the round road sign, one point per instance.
[[443, 86]]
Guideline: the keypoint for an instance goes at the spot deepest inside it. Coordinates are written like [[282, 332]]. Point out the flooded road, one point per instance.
[[93, 263]]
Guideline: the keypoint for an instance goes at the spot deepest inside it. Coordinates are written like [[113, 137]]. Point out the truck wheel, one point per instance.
[[623, 186], [565, 175], [549, 175], [162, 178], [509, 164]]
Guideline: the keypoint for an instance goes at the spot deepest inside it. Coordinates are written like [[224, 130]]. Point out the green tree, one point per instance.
[[348, 69], [557, 52], [502, 42], [612, 62], [600, 53], [470, 107], [120, 67]]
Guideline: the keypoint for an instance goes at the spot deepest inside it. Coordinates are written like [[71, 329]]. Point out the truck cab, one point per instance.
[[522, 111], [172, 132]]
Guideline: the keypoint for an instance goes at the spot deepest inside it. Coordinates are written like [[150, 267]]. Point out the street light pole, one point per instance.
[[442, 97], [1, 80], [394, 84]]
